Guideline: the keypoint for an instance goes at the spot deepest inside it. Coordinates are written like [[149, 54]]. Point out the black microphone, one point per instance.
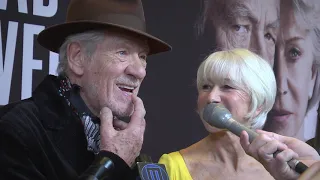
[[99, 170], [147, 170], [219, 116]]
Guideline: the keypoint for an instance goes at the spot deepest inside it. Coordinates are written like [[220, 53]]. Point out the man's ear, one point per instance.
[[75, 58]]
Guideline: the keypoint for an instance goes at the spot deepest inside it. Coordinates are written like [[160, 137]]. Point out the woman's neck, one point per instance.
[[221, 155], [220, 147]]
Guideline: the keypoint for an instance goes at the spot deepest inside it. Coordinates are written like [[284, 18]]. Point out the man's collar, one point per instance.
[[78, 103], [48, 97], [51, 105], [71, 93]]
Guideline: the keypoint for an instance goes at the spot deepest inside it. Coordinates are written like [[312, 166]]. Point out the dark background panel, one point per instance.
[[169, 90], [12, 14]]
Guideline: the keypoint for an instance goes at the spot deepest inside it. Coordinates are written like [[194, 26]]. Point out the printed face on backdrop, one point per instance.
[[114, 73], [250, 24], [294, 74]]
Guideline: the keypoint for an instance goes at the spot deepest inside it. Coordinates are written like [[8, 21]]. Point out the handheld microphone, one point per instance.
[[100, 170], [148, 170], [218, 116]]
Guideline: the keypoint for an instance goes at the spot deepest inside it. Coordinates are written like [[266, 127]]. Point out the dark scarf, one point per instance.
[[91, 123]]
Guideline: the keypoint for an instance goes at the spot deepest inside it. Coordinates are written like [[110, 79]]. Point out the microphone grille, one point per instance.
[[216, 115]]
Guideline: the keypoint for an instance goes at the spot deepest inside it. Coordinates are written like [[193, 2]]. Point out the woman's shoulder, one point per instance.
[[175, 166], [172, 160]]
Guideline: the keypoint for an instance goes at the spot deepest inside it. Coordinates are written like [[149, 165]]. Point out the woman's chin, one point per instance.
[[211, 129]]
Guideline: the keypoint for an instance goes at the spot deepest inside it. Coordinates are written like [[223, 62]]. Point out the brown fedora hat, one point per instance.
[[84, 15]]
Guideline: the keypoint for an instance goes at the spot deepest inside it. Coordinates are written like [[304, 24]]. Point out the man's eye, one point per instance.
[[240, 28], [144, 57], [269, 37], [122, 53]]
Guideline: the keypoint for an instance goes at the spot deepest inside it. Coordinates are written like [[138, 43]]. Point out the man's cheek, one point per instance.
[[271, 53], [234, 41], [221, 38]]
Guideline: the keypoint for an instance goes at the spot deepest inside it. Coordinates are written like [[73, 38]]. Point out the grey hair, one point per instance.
[[216, 9], [202, 19], [88, 40], [248, 73], [309, 12], [205, 15]]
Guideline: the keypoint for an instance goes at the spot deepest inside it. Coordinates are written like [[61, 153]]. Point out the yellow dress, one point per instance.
[[175, 166]]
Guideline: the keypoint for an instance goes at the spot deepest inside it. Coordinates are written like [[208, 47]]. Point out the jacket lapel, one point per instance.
[[63, 127]]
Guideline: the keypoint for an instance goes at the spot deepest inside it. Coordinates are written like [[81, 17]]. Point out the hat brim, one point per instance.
[[53, 37]]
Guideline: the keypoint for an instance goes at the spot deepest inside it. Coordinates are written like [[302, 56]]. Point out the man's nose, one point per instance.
[[258, 45], [136, 68]]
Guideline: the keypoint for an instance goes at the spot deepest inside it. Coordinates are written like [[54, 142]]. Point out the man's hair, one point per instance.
[[88, 40], [206, 13], [309, 12], [215, 11], [250, 73]]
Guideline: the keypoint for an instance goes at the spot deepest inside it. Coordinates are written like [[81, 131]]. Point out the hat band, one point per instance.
[[126, 20]]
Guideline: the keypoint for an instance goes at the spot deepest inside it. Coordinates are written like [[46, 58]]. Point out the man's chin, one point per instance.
[[124, 111], [124, 116]]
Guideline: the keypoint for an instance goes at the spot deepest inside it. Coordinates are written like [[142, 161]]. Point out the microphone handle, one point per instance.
[[99, 170], [236, 128]]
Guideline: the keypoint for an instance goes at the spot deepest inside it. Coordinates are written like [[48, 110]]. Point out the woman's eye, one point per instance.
[[294, 53], [206, 87], [227, 87]]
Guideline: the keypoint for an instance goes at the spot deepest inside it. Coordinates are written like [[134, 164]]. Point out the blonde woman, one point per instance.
[[245, 84]]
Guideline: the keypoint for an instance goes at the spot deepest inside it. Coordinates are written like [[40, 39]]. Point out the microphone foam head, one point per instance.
[[216, 115]]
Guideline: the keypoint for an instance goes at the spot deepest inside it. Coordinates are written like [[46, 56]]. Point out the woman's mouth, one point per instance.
[[280, 115]]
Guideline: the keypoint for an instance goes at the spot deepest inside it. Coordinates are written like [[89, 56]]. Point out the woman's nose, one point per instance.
[[214, 96]]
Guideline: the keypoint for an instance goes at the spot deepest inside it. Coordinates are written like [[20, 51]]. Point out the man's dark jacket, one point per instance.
[[41, 138]]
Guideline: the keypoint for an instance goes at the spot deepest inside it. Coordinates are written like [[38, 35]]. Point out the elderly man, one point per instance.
[[73, 122], [250, 24]]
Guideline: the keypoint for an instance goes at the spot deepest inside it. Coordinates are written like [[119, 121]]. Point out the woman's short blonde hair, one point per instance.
[[250, 73]]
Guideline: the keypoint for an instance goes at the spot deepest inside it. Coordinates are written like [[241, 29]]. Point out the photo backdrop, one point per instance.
[[169, 89]]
